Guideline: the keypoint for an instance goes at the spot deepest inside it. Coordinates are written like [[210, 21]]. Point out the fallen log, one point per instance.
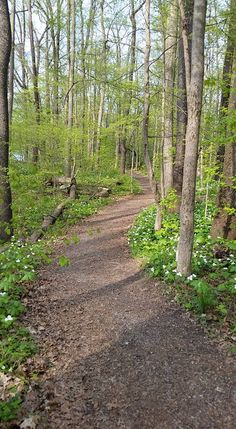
[[65, 184], [51, 218], [48, 221]]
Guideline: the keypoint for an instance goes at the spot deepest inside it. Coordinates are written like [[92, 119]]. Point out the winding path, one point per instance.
[[120, 354]]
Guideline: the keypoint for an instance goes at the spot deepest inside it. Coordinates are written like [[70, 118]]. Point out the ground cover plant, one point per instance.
[[19, 263], [210, 291]]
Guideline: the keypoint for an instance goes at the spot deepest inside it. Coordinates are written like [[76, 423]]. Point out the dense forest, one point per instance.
[[95, 92]]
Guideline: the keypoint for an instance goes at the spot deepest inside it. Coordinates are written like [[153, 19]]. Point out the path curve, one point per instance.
[[120, 355]]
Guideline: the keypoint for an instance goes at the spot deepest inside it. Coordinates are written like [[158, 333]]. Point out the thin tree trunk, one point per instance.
[[12, 62], [169, 73], [70, 111], [103, 85], [35, 150], [5, 190], [227, 70], [184, 57], [146, 104], [225, 221]]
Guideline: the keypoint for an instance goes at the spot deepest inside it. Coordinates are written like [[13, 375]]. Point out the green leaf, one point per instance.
[[63, 261]]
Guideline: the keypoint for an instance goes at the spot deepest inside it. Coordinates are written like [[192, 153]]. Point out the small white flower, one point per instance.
[[2, 293], [25, 267], [179, 274], [190, 277], [152, 269], [8, 318], [18, 260]]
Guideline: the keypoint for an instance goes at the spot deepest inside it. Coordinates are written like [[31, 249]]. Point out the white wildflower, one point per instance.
[[9, 318]]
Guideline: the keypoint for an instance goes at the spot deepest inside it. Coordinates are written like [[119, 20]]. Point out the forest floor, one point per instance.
[[115, 353]]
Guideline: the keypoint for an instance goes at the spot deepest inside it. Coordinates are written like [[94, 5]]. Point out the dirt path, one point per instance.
[[122, 356]]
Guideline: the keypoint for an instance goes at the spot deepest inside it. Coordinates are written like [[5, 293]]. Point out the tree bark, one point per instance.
[[146, 104], [227, 71], [71, 72], [224, 224], [12, 62], [5, 190], [184, 58], [185, 245], [35, 150], [169, 74]]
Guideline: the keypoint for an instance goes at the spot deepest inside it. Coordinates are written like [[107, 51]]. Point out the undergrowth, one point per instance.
[[19, 263], [210, 291]]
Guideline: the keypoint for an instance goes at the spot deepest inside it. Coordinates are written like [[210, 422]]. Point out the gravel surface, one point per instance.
[[115, 353]]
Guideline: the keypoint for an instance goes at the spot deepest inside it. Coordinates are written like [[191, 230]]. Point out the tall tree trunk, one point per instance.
[[169, 73], [227, 70], [12, 61], [47, 85], [5, 190], [183, 82], [70, 110], [185, 245], [35, 150], [146, 103], [103, 85], [55, 30], [224, 224], [129, 95]]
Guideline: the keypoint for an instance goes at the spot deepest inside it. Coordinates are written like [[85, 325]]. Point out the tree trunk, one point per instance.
[[227, 70], [129, 94], [185, 245], [183, 82], [146, 107], [103, 85], [71, 72], [35, 150], [12, 62], [5, 190], [224, 224], [169, 74]]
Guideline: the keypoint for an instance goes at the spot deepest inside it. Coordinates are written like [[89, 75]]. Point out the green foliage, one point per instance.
[[205, 297], [211, 288], [16, 346], [63, 261], [8, 409], [169, 202]]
